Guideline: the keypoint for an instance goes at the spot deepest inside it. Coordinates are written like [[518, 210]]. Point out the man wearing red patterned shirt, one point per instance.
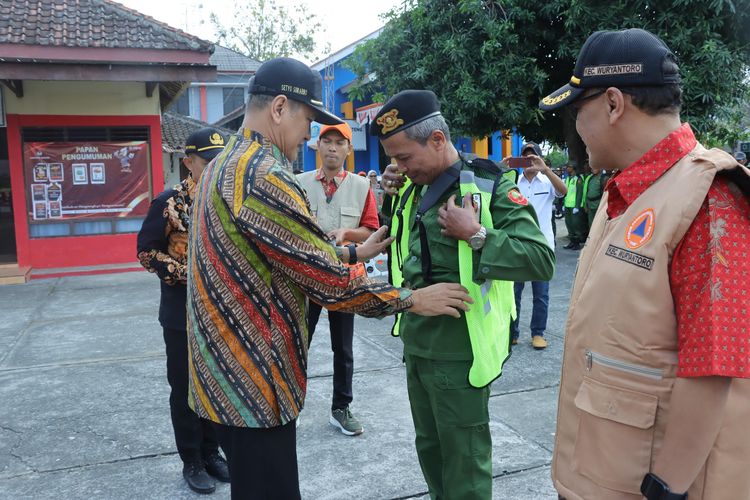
[[346, 208], [654, 390]]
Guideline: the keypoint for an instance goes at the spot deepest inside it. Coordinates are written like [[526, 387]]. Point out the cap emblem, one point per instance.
[[549, 101], [216, 139], [389, 121], [613, 69]]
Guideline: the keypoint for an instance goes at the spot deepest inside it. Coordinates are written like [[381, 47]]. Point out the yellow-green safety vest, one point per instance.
[[396, 258], [586, 179], [570, 198], [488, 319]]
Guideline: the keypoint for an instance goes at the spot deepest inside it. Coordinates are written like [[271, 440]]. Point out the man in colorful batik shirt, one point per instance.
[[256, 255]]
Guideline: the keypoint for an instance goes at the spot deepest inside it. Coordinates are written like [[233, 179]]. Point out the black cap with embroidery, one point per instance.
[[206, 143], [627, 58], [290, 77], [403, 110]]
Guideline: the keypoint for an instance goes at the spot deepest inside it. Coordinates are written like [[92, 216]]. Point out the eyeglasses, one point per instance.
[[576, 106]]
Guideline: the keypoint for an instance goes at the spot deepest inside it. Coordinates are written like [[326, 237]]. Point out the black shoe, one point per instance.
[[217, 467], [569, 245], [197, 478], [576, 246]]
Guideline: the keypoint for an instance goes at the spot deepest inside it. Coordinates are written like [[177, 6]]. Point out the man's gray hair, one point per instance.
[[259, 101], [422, 131]]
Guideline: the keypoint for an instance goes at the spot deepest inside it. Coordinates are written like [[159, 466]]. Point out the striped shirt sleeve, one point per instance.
[[275, 216]]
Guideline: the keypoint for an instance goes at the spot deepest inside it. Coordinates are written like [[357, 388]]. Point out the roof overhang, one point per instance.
[[29, 70], [48, 53], [40, 62]]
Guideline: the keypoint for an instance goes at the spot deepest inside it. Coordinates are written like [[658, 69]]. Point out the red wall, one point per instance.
[[74, 251]]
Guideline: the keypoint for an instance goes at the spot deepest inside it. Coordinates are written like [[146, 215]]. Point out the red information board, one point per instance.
[[86, 180]]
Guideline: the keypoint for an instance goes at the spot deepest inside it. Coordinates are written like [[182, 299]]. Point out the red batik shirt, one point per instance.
[[369, 217], [710, 271]]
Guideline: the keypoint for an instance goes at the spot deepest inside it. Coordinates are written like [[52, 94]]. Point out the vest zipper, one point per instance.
[[643, 371]]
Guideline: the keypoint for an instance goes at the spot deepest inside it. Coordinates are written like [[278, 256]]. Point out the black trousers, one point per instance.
[[342, 334], [262, 462], [194, 436]]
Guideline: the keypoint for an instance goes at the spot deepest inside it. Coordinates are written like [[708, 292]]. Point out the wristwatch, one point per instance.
[[476, 242], [653, 488], [352, 253]]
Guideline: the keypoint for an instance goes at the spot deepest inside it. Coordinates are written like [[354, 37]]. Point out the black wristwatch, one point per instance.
[[654, 488], [352, 253]]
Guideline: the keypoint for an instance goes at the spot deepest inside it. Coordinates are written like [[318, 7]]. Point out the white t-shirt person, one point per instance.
[[541, 194]]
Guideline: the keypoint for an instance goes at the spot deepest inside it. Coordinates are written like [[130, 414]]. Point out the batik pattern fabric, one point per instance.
[[256, 255], [162, 245]]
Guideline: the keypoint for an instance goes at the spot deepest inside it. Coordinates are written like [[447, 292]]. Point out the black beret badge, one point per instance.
[[389, 121], [216, 139]]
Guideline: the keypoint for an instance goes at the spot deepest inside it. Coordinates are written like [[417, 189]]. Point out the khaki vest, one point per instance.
[[345, 208], [620, 353]]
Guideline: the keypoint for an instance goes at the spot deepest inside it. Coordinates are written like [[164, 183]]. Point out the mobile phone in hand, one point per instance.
[[519, 161]]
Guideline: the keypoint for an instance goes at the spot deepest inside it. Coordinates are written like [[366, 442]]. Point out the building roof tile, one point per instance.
[[175, 129], [89, 23], [229, 60]]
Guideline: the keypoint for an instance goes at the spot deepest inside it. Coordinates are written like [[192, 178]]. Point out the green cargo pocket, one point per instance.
[[456, 402]]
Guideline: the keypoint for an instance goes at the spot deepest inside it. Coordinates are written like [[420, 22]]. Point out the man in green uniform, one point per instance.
[[594, 189], [444, 233], [573, 204]]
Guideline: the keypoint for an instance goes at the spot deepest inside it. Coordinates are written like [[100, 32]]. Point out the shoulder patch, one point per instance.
[[640, 229], [516, 197]]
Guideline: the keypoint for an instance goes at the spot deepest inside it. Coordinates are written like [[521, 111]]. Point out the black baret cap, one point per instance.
[[403, 110], [290, 77], [206, 143], [627, 58]]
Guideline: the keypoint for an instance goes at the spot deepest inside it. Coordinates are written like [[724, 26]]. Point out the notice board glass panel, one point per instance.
[[69, 181]]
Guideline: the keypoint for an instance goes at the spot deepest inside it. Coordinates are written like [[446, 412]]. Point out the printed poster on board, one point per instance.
[[87, 180]]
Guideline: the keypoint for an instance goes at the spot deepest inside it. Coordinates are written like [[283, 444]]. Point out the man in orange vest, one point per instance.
[[654, 396]]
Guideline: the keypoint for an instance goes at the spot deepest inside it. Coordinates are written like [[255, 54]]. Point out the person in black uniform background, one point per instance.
[[162, 249]]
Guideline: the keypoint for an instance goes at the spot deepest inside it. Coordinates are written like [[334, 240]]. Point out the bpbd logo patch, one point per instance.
[[641, 229]]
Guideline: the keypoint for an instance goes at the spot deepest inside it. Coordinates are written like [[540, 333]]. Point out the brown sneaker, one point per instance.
[[538, 342], [514, 342]]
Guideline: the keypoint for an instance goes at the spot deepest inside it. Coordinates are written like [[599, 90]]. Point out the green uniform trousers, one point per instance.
[[451, 420]]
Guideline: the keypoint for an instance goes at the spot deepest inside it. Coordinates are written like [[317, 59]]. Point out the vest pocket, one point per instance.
[[350, 217], [615, 435]]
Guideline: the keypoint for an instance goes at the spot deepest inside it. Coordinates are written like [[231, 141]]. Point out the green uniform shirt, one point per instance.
[[595, 191], [515, 250]]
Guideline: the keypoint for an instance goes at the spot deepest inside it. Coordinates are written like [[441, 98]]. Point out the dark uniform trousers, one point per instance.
[[576, 225], [451, 420], [262, 461], [342, 335], [195, 437]]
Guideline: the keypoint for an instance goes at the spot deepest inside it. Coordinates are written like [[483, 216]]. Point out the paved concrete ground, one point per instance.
[[84, 410]]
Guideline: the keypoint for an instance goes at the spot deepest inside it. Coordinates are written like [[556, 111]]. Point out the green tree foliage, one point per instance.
[[264, 29], [490, 61]]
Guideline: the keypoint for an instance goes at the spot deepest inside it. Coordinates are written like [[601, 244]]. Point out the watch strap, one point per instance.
[[654, 488], [352, 253]]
